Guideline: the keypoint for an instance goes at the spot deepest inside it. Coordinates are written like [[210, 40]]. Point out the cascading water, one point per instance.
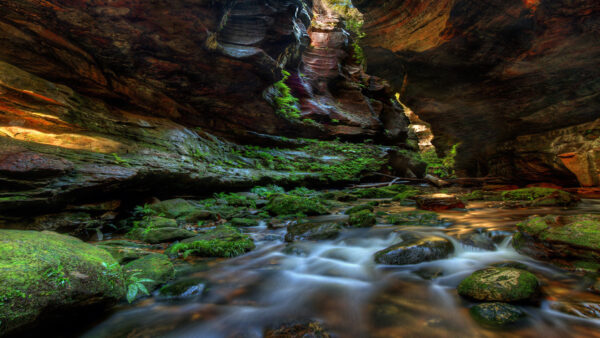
[[338, 283]]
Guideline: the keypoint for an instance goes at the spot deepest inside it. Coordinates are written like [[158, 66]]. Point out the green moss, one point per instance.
[[419, 217], [503, 284], [384, 192], [362, 219], [223, 241], [286, 104], [540, 196], [475, 195], [312, 231], [156, 267], [42, 269], [243, 222], [358, 208], [289, 205], [15, 198], [578, 230]]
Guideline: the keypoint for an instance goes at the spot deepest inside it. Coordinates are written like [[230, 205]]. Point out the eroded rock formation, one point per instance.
[[103, 98], [488, 72]]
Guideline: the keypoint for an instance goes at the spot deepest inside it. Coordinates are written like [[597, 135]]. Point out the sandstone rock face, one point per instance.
[[99, 99], [486, 72]]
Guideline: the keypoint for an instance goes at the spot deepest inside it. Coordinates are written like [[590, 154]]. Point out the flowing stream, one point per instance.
[[337, 282]]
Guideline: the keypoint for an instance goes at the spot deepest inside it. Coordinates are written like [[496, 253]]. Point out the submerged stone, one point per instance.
[[307, 329], [503, 284], [184, 288], [496, 314], [42, 271], [415, 248], [312, 231]]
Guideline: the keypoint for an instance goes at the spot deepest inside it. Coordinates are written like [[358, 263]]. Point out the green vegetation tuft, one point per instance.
[[290, 205], [285, 103], [222, 241]]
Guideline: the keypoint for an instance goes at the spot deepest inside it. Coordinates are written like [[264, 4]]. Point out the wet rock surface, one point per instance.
[[496, 314], [415, 248], [502, 284], [570, 238]]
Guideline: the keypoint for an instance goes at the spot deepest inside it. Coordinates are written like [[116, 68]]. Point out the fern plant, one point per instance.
[[136, 285]]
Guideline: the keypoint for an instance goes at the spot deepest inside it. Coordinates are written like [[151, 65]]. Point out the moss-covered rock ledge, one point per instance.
[[46, 271], [568, 239]]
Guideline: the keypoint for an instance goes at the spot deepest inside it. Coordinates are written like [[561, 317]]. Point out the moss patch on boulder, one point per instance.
[[289, 205], [41, 270], [156, 267], [362, 219], [575, 237], [540, 197], [503, 284], [312, 231], [222, 241], [358, 208]]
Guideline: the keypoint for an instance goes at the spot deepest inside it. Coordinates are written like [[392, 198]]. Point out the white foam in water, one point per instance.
[[342, 271]]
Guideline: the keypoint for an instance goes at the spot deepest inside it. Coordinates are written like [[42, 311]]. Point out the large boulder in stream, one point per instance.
[[415, 248], [155, 230], [502, 284], [42, 273], [568, 238]]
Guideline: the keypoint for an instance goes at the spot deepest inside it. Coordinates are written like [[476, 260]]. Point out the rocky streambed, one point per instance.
[[349, 263]]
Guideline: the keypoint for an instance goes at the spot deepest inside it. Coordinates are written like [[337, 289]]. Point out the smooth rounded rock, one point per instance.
[[414, 249], [503, 284]]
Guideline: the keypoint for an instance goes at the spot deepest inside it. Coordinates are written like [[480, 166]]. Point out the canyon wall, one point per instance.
[[487, 73], [104, 100]]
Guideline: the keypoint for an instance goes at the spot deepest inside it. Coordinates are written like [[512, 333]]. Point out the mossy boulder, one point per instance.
[[290, 204], [415, 248], [44, 270], [496, 314], [312, 231], [383, 192], [125, 251], [362, 219], [198, 215], [222, 241], [502, 284], [173, 208], [418, 218], [574, 237], [540, 197], [156, 267], [243, 222], [156, 235], [358, 208]]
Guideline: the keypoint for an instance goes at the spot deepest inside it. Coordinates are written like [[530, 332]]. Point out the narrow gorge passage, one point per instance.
[[299, 168]]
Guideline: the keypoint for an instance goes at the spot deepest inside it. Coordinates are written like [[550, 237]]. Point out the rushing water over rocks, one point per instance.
[[337, 283]]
